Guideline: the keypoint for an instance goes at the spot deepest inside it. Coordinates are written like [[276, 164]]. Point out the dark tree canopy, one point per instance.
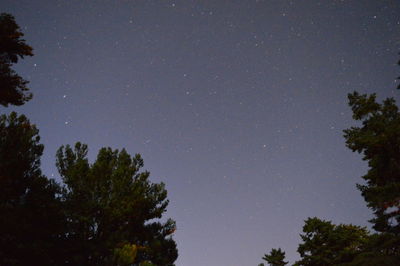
[[275, 258], [381, 249], [111, 206], [20, 153], [107, 213], [31, 223], [327, 244], [13, 89], [378, 139]]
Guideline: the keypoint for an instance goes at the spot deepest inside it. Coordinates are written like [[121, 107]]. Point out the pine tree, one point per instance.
[[378, 139], [31, 224], [275, 258], [13, 88], [327, 244], [111, 205]]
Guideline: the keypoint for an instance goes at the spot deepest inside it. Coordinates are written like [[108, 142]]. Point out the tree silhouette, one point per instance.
[[31, 223], [327, 244], [112, 207], [378, 139], [275, 258], [13, 89]]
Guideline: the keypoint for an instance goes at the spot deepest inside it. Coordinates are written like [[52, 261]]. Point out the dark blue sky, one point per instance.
[[238, 106]]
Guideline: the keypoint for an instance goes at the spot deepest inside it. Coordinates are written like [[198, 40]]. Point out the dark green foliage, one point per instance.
[[105, 207], [347, 245], [20, 153], [110, 204], [13, 88], [378, 139], [275, 258], [327, 244], [380, 249], [30, 224]]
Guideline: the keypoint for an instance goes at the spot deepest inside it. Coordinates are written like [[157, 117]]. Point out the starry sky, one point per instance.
[[238, 106]]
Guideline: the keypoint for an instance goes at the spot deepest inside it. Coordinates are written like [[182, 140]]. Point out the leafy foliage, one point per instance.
[[275, 258], [31, 222], [125, 255], [380, 249], [104, 215], [327, 244], [13, 89], [378, 139], [110, 205]]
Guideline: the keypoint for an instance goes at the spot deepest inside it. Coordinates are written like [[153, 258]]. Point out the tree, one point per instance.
[[398, 86], [378, 139], [31, 224], [13, 88], [327, 244], [111, 207], [381, 249], [275, 258]]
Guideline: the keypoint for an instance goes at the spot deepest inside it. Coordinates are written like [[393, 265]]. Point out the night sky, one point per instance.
[[238, 106]]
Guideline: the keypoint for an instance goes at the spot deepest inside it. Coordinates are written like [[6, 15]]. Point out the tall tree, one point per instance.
[[327, 244], [13, 88], [275, 258], [398, 86], [378, 139], [30, 220], [112, 207]]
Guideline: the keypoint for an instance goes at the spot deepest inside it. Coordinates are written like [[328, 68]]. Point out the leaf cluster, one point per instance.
[[275, 258], [111, 203], [378, 139], [327, 244], [104, 213], [31, 222], [13, 88]]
